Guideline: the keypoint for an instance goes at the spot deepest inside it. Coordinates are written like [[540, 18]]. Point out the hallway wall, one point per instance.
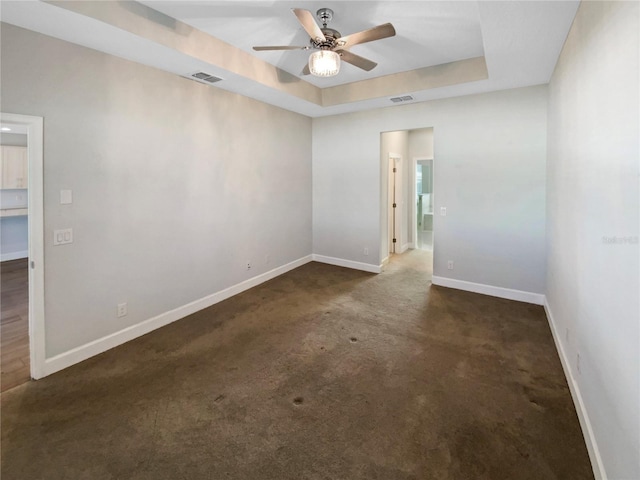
[[593, 227]]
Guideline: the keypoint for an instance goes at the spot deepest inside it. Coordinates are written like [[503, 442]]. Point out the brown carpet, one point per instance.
[[322, 373]]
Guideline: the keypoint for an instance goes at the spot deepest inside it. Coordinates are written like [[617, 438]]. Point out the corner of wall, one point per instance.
[[500, 292], [576, 395]]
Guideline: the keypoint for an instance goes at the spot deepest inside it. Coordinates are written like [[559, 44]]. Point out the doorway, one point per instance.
[[404, 151], [423, 200], [21, 249], [14, 245]]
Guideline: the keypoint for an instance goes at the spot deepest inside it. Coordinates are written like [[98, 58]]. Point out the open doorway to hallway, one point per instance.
[[14, 253], [407, 192], [22, 313]]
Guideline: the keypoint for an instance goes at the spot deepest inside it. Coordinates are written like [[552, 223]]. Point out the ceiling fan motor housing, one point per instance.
[[325, 15], [331, 41]]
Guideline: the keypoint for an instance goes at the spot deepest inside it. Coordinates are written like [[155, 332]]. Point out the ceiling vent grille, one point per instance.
[[406, 98], [204, 77]]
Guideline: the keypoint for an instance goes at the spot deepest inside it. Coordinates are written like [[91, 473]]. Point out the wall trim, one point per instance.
[[83, 352], [340, 262], [501, 292], [587, 429], [404, 248], [5, 257]]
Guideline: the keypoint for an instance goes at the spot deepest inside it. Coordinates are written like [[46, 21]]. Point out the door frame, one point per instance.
[[35, 222], [394, 193]]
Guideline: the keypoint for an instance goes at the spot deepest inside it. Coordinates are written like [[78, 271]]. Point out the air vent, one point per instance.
[[406, 98], [205, 77]]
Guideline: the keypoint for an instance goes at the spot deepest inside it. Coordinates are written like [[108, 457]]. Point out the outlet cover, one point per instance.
[[62, 237], [66, 197]]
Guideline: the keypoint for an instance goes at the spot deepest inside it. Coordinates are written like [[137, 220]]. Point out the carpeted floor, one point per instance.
[[322, 373]]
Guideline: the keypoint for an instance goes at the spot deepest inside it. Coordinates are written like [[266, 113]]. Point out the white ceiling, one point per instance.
[[427, 33], [518, 40]]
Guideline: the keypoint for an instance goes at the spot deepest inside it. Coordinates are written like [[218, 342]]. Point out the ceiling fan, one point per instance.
[[331, 46]]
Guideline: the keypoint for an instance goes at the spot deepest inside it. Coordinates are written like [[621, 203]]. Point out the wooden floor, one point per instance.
[[14, 323]]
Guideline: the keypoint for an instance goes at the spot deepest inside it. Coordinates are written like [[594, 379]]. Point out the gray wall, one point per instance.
[[15, 139], [176, 185], [592, 224], [421, 143], [490, 151]]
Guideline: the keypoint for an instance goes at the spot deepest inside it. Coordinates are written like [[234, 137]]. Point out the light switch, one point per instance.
[[61, 237], [66, 197], [443, 211]]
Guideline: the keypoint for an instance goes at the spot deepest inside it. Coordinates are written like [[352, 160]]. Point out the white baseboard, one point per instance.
[[404, 248], [501, 292], [340, 262], [587, 430], [66, 359], [5, 257]]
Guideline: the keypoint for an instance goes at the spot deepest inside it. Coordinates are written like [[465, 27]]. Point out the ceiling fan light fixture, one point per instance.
[[324, 63]]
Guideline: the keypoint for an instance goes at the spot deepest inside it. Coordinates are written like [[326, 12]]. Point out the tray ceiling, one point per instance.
[[441, 49]]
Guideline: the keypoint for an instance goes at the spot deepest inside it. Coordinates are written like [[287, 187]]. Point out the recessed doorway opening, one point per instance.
[[407, 192], [14, 246], [21, 249]]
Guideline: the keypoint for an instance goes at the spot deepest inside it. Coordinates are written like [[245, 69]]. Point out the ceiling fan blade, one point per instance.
[[259, 49], [305, 17], [305, 70], [356, 60], [375, 33]]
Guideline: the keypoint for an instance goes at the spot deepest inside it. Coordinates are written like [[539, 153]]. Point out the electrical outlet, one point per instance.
[[248, 265], [566, 335], [443, 211], [366, 251], [122, 309], [267, 259], [450, 265]]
